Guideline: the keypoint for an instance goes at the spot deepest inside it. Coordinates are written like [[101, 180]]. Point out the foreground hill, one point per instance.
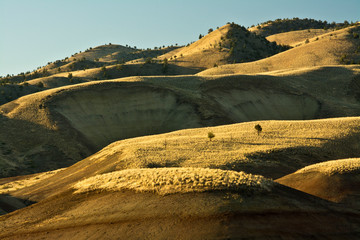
[[180, 203], [55, 128], [336, 180], [333, 48], [282, 148]]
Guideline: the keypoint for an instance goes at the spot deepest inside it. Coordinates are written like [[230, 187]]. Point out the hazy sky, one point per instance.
[[34, 32]]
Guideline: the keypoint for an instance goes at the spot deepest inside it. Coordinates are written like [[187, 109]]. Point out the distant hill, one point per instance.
[[228, 44], [296, 38], [333, 48], [286, 25]]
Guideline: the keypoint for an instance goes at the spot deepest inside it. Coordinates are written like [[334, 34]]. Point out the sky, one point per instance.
[[35, 32]]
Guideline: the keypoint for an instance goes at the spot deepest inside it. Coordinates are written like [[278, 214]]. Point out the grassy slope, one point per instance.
[[283, 147], [58, 127], [83, 209], [296, 38], [328, 50]]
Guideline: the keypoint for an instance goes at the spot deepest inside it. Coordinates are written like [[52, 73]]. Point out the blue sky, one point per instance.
[[34, 32]]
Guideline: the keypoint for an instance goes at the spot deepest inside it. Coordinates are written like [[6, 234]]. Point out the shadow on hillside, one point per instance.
[[9, 203], [278, 163], [27, 148]]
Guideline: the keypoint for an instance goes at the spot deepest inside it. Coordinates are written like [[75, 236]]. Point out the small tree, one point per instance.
[[210, 30], [165, 65], [70, 76], [148, 60], [258, 128], [211, 135]]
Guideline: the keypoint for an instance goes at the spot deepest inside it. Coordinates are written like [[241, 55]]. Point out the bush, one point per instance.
[[211, 135], [40, 85]]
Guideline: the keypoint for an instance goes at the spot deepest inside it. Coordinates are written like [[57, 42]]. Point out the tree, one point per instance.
[[70, 76], [148, 60], [258, 128], [200, 36], [210, 30], [211, 135], [40, 85], [165, 65]]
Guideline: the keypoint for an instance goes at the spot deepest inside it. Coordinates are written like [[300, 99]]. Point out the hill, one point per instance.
[[338, 47], [296, 38], [336, 180], [57, 127], [282, 148], [228, 44], [199, 203], [287, 25]]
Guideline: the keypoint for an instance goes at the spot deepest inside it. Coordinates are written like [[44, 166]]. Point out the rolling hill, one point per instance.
[[336, 180], [75, 121], [332, 48], [200, 203], [228, 44]]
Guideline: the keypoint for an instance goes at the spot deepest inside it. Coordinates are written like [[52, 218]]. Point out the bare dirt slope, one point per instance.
[[57, 127], [336, 180], [333, 48], [240, 208]]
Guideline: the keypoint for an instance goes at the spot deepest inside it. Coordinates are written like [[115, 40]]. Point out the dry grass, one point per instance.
[[342, 166], [294, 38], [327, 50], [26, 182], [175, 180], [235, 147]]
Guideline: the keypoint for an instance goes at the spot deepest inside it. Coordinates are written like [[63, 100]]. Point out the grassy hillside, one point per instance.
[[282, 148], [70, 123], [296, 38], [287, 25], [137, 215], [165, 180], [338, 47], [228, 44]]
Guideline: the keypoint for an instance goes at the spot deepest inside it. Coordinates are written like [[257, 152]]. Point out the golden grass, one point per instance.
[[342, 166], [295, 38], [26, 182], [234, 147], [165, 181], [326, 50]]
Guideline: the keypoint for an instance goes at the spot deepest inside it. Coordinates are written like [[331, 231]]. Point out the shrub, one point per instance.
[[40, 85], [211, 135], [148, 60], [70, 76]]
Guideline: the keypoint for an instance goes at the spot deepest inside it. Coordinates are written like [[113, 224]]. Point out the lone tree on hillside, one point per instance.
[[258, 128], [211, 135]]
